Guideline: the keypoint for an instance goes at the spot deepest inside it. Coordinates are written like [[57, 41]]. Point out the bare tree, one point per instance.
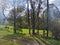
[[14, 16], [39, 6], [47, 17], [28, 15], [33, 16], [4, 6]]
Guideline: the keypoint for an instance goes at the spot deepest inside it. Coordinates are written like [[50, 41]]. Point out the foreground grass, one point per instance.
[[4, 40], [48, 41], [8, 38], [52, 41]]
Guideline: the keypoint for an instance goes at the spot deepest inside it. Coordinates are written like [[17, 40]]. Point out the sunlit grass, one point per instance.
[[6, 36], [24, 34], [8, 42]]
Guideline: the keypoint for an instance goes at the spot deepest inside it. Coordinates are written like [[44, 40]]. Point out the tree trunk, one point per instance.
[[47, 17], [33, 16], [28, 17], [38, 16], [14, 17]]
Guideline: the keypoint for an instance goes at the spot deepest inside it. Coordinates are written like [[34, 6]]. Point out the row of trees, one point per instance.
[[32, 15], [31, 18]]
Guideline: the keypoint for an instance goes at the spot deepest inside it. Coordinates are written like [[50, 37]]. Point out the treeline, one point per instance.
[[33, 19]]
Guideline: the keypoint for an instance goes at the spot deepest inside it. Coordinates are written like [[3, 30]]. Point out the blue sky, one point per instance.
[[10, 4]]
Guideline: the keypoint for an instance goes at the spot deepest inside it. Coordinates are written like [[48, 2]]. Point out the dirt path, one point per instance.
[[41, 43], [1, 36], [38, 42], [35, 43]]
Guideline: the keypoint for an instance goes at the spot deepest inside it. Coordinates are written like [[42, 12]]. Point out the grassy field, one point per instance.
[[48, 41], [7, 37]]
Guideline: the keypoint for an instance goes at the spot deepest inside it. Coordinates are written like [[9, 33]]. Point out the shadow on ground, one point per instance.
[[20, 38]]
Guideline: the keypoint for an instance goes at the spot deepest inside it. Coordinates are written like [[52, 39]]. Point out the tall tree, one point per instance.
[[33, 16], [28, 15], [47, 17], [39, 5], [14, 17]]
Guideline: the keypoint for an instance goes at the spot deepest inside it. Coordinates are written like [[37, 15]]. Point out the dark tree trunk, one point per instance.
[[33, 16], [47, 17], [43, 26], [14, 17], [39, 5], [28, 17]]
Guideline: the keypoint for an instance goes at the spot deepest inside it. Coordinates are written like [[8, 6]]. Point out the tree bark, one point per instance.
[[39, 5], [47, 17], [33, 16], [14, 17], [28, 17]]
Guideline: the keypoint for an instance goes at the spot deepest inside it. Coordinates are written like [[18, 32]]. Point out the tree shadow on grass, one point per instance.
[[14, 36], [43, 39], [18, 37]]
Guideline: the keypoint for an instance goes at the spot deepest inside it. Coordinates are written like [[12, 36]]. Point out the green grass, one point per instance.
[[52, 41], [9, 38], [6, 36], [8, 42], [26, 31], [48, 41]]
